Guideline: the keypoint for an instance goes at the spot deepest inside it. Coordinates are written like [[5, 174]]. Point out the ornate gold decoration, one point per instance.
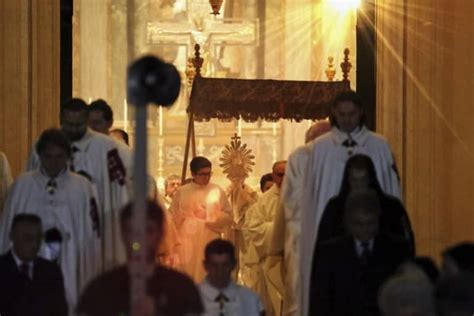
[[197, 60], [270, 100], [330, 71], [237, 160], [216, 6], [346, 65], [190, 71]]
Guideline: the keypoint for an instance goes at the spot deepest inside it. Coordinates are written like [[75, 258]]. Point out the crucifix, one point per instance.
[[203, 29], [200, 27], [209, 32]]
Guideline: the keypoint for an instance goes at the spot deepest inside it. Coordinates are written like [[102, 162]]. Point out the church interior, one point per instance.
[[411, 62]]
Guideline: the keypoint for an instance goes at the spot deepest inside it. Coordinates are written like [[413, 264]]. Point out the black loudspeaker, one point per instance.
[[150, 80]]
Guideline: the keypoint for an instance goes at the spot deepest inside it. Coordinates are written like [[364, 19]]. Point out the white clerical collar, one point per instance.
[[359, 135], [45, 174], [19, 262], [43, 177]]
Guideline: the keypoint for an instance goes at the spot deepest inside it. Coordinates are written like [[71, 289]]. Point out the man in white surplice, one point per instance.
[[65, 203], [286, 232], [202, 213], [258, 232], [327, 156], [100, 120], [96, 157]]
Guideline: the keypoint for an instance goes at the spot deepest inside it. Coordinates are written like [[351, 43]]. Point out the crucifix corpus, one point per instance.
[[204, 29]]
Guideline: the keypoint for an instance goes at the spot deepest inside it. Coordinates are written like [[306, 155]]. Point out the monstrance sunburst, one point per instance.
[[237, 160]]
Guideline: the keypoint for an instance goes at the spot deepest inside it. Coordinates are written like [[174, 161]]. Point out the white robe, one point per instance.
[[126, 154], [71, 210], [323, 177], [287, 229], [241, 198], [201, 214], [5, 179], [99, 158], [241, 301], [258, 233]]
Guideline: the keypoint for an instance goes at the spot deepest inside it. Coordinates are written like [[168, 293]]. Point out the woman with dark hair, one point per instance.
[[360, 174]]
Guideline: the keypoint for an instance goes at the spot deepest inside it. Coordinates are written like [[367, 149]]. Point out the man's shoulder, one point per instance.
[[270, 194], [106, 294], [117, 273], [213, 185], [183, 189], [247, 293], [25, 181], [183, 295], [388, 200], [6, 258], [106, 282], [336, 245], [26, 177], [98, 139], [299, 152], [164, 273], [390, 243], [46, 266], [77, 180], [326, 138], [375, 138]]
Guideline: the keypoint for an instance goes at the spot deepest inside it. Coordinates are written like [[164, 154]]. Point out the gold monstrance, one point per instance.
[[237, 160]]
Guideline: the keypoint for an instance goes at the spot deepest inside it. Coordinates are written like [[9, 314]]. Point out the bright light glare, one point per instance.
[[344, 6], [213, 196]]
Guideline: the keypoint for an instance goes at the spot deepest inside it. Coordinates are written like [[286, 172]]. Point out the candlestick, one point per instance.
[[125, 114], [160, 121], [239, 127]]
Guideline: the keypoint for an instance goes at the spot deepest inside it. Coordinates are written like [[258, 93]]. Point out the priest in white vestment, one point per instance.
[[258, 232], [5, 179], [327, 156], [202, 213], [100, 120], [96, 157], [68, 210], [287, 229]]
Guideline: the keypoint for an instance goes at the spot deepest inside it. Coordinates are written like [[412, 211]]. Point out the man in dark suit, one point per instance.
[[29, 285], [349, 270]]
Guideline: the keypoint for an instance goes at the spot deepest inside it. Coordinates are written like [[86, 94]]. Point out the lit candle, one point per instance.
[[90, 100], [239, 127], [125, 115], [160, 121]]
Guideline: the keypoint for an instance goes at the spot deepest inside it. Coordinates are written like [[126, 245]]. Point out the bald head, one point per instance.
[[317, 129], [278, 172]]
